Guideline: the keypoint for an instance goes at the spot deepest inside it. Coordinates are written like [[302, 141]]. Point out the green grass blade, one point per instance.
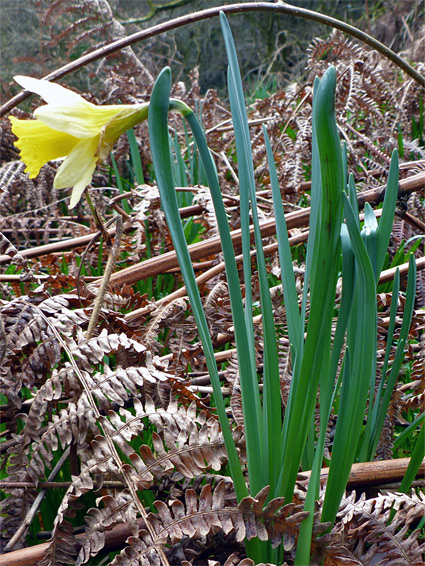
[[288, 277], [235, 93], [408, 431], [245, 171], [398, 359], [316, 195], [352, 196], [250, 392], [390, 334], [344, 162], [326, 259], [249, 387], [312, 252], [118, 179], [348, 289], [388, 211], [328, 390], [245, 168], [271, 391], [245, 178], [135, 157], [119, 183], [180, 165], [356, 381], [328, 387], [160, 147], [416, 460]]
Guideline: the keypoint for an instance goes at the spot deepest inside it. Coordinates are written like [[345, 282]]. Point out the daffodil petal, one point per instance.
[[39, 144], [70, 126], [128, 117], [82, 120], [52, 93], [77, 169], [79, 189]]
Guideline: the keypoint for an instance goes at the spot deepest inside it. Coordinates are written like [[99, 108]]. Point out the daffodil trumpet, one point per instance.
[[70, 128]]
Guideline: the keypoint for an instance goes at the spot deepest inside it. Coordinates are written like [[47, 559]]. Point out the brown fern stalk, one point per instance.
[[406, 186], [112, 258], [35, 506]]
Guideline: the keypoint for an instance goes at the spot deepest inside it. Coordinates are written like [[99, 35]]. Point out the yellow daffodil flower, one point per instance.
[[69, 127]]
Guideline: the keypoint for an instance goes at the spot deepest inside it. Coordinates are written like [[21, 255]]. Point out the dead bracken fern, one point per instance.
[[137, 397], [375, 539]]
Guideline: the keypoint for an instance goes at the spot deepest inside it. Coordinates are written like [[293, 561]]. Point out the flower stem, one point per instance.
[[114, 249], [99, 224]]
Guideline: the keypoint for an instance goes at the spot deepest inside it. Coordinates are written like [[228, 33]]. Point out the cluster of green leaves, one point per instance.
[[337, 245]]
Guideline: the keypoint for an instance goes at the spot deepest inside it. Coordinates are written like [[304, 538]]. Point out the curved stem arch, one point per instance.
[[280, 8]]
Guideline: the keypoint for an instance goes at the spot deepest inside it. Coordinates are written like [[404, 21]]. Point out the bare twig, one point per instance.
[[3, 342], [408, 185], [112, 258], [37, 502], [97, 220], [375, 473], [213, 272], [90, 245], [279, 7], [107, 484]]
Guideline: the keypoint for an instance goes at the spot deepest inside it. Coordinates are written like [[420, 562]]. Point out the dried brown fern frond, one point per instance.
[[161, 318], [211, 516], [208, 220], [374, 536], [8, 249], [205, 515], [32, 348], [235, 560], [408, 226], [69, 26], [185, 443], [149, 218], [118, 509], [374, 108], [64, 546], [30, 208], [412, 392], [369, 97]]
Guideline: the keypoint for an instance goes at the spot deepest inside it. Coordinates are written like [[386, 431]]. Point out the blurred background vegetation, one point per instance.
[[38, 36]]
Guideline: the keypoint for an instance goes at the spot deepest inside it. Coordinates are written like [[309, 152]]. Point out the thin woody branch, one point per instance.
[[279, 8]]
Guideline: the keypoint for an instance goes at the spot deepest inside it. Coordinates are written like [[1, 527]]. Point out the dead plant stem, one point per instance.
[[279, 7], [37, 502], [112, 258]]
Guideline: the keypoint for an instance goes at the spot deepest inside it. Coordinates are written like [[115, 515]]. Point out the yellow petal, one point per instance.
[[39, 144], [82, 120], [77, 169], [52, 93], [124, 120], [78, 190], [67, 111]]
